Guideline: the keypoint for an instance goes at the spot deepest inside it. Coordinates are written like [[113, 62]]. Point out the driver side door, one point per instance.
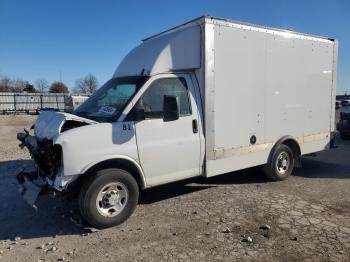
[[168, 150]]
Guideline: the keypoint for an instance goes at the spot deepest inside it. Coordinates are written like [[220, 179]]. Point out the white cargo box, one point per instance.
[[258, 85]]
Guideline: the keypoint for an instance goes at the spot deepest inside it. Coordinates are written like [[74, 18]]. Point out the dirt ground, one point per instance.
[[239, 216]]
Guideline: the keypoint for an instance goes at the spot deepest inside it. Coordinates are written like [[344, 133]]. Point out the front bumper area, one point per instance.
[[47, 157], [41, 177]]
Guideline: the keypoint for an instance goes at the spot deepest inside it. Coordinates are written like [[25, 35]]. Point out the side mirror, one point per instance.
[[139, 111], [140, 114], [171, 110]]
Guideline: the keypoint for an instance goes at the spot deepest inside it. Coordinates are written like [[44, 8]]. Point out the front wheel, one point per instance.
[[108, 198], [281, 164]]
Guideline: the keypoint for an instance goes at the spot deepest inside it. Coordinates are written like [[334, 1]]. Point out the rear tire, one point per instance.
[[108, 198], [281, 164]]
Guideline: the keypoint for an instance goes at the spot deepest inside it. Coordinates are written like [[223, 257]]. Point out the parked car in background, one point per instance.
[[344, 123], [338, 104], [345, 102]]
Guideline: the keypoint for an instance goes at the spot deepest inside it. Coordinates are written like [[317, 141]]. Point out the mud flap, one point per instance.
[[332, 144]]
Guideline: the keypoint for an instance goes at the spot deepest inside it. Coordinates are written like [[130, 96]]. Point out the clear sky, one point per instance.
[[71, 38]]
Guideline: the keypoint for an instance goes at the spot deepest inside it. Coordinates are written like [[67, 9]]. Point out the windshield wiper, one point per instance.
[[82, 113], [89, 116]]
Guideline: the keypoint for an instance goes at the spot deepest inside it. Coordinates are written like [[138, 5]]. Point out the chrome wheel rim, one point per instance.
[[112, 199], [282, 163]]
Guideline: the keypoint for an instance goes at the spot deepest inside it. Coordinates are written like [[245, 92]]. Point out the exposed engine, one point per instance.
[[47, 156]]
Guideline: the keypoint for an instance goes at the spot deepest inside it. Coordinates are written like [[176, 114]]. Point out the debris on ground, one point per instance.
[[42, 246], [265, 227], [18, 238], [52, 249], [247, 239], [91, 229], [226, 230], [293, 238]]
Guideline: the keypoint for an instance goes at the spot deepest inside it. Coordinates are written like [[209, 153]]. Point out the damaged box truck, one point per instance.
[[205, 98]]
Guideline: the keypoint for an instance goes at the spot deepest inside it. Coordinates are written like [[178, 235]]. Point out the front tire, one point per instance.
[[108, 198], [281, 164]]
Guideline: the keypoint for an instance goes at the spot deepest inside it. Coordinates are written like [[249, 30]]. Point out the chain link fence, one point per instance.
[[34, 102]]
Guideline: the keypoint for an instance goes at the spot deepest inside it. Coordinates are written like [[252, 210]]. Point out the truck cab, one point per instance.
[[144, 130], [143, 118]]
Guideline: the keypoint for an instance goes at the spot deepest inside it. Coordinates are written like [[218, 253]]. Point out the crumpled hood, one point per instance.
[[49, 123]]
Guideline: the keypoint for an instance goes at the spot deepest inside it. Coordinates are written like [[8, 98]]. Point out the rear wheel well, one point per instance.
[[294, 146]]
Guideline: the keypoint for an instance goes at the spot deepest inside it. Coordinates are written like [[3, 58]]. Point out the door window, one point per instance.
[[152, 100]]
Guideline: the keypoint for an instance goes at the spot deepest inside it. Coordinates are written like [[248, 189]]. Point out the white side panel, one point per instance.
[[239, 87], [268, 85], [314, 146], [298, 87], [175, 51], [229, 164]]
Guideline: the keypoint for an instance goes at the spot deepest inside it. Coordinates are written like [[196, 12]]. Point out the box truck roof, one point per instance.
[[243, 25], [179, 48]]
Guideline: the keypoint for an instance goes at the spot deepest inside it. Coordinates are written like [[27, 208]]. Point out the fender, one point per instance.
[[119, 161]]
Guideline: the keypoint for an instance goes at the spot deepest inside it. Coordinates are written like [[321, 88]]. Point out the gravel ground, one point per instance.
[[234, 217]]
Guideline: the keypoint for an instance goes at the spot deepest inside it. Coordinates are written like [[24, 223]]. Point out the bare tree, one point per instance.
[[8, 84], [58, 87], [41, 85], [29, 88], [18, 85], [87, 84], [5, 84]]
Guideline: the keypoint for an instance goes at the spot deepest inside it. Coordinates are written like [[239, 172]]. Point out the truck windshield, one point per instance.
[[109, 101]]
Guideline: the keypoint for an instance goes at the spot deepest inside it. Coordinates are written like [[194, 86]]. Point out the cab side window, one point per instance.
[[152, 100]]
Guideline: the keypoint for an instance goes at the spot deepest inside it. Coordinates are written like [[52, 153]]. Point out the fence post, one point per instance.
[[14, 102], [58, 109], [41, 101]]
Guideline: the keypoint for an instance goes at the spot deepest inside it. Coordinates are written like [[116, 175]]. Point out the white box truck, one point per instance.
[[205, 98]]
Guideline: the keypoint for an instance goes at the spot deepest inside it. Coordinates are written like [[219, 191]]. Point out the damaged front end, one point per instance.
[[47, 165], [47, 173]]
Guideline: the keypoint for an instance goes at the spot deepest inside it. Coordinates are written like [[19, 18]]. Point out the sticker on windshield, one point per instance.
[[107, 110]]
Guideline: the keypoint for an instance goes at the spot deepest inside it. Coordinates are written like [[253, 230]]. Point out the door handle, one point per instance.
[[195, 126]]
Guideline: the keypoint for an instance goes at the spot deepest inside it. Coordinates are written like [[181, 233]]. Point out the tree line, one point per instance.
[[84, 85]]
